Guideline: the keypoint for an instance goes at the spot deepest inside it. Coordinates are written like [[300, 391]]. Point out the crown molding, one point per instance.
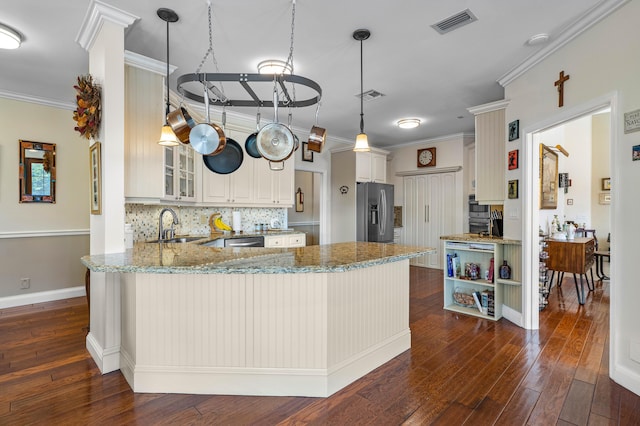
[[96, 15], [491, 106], [586, 21], [149, 64], [40, 101]]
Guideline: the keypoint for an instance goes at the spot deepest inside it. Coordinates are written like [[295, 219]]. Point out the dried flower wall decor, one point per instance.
[[88, 113]]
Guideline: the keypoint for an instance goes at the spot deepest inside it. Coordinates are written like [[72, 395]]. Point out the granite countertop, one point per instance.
[[477, 238], [193, 258]]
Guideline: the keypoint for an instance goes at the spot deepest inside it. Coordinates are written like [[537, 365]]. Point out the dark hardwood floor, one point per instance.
[[460, 370]]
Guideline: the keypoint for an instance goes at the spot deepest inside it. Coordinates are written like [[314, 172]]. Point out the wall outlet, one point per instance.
[[25, 283], [203, 218]]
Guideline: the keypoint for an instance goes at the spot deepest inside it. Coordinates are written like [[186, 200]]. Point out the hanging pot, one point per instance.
[[275, 141], [251, 143], [207, 138], [227, 161], [317, 136], [181, 123]]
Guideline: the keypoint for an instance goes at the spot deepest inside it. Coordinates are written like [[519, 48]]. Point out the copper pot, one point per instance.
[[181, 123], [316, 140]]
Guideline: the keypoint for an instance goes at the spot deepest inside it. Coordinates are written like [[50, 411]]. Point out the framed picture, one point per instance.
[[307, 155], [604, 198], [606, 184], [514, 130], [96, 178], [548, 178], [513, 189], [635, 153], [513, 159]]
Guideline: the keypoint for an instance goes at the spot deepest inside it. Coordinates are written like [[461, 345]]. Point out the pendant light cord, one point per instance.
[[361, 92], [167, 111]]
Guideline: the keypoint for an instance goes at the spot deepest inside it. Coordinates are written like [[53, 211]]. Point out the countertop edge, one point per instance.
[[480, 239]]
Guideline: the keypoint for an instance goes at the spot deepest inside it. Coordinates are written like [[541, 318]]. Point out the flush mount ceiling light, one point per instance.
[[167, 136], [538, 39], [362, 142], [274, 66], [408, 123], [9, 39]]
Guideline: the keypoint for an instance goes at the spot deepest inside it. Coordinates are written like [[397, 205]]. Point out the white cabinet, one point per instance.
[[430, 206], [229, 189], [153, 171], [274, 187], [179, 173], [253, 184], [292, 240], [459, 288], [490, 152], [371, 167]]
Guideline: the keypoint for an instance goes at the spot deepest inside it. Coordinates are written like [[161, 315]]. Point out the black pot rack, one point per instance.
[[246, 81]]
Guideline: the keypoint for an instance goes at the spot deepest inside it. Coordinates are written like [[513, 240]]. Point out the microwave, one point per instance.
[[478, 210]]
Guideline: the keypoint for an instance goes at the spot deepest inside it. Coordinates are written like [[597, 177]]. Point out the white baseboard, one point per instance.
[[512, 315], [308, 382], [107, 359], [42, 296]]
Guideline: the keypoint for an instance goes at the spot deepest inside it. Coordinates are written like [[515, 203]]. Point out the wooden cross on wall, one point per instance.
[[560, 84]]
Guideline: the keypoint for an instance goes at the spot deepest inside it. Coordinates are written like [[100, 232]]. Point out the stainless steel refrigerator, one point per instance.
[[374, 212]]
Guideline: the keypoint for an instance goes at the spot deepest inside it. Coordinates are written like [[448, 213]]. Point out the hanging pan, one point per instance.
[[207, 138], [296, 140], [181, 123], [251, 143], [317, 135], [275, 141], [228, 161]]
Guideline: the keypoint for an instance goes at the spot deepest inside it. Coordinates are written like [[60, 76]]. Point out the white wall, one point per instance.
[[32, 235], [603, 68]]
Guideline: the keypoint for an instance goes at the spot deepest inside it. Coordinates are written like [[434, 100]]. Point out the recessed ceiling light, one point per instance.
[[408, 123], [9, 39], [538, 39], [274, 66]]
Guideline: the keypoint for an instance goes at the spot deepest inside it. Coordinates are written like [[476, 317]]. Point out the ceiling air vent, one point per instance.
[[456, 21], [370, 95]]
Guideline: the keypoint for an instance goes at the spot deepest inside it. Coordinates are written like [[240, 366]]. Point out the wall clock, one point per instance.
[[427, 157]]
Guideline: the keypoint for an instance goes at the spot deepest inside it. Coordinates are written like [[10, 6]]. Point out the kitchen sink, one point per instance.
[[177, 240]]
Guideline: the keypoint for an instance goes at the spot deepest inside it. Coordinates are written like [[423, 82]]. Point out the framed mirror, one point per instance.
[[37, 172], [548, 178]]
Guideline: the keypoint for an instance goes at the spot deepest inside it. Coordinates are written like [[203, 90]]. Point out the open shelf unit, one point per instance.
[[481, 254]]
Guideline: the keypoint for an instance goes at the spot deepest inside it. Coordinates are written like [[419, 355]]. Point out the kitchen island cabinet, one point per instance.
[[257, 321]]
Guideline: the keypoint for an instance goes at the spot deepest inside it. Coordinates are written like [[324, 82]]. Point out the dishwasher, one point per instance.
[[244, 242]]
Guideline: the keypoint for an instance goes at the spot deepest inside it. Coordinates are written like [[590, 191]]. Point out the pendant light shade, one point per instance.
[[167, 137], [362, 142]]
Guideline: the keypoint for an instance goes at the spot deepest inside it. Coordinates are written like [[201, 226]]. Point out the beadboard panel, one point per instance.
[[368, 310], [271, 334], [512, 294], [490, 157]]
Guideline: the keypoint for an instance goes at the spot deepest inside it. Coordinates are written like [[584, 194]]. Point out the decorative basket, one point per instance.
[[463, 297]]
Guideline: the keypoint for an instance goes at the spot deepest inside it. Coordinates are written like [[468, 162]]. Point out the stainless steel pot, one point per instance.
[[207, 138], [275, 141]]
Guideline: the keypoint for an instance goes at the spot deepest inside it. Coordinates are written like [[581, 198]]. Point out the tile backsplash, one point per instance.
[[195, 220]]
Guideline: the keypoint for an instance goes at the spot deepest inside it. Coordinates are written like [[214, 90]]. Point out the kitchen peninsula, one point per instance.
[[303, 321]]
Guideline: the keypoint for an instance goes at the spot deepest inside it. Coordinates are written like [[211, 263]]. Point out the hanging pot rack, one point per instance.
[[248, 82]]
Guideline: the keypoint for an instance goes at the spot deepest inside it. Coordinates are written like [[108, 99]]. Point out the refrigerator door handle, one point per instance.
[[383, 202]]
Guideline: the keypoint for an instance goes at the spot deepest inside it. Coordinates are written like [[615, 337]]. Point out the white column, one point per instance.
[[102, 35]]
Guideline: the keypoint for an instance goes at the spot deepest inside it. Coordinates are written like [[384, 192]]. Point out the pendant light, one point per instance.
[[362, 142], [167, 137]]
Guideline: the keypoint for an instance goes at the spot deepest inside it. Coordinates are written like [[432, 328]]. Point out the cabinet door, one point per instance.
[[363, 167], [241, 182], [378, 168], [186, 173], [490, 154], [262, 182], [283, 183], [215, 187]]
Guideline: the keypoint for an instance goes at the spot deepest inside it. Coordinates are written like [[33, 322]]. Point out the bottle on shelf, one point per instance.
[[505, 271]]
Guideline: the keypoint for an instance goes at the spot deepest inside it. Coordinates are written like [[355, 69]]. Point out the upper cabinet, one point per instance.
[[371, 166], [490, 161], [153, 171]]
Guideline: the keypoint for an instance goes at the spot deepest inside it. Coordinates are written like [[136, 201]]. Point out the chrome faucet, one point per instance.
[[165, 234]]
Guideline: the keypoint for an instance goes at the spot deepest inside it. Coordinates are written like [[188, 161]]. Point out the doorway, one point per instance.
[[305, 214], [589, 172]]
